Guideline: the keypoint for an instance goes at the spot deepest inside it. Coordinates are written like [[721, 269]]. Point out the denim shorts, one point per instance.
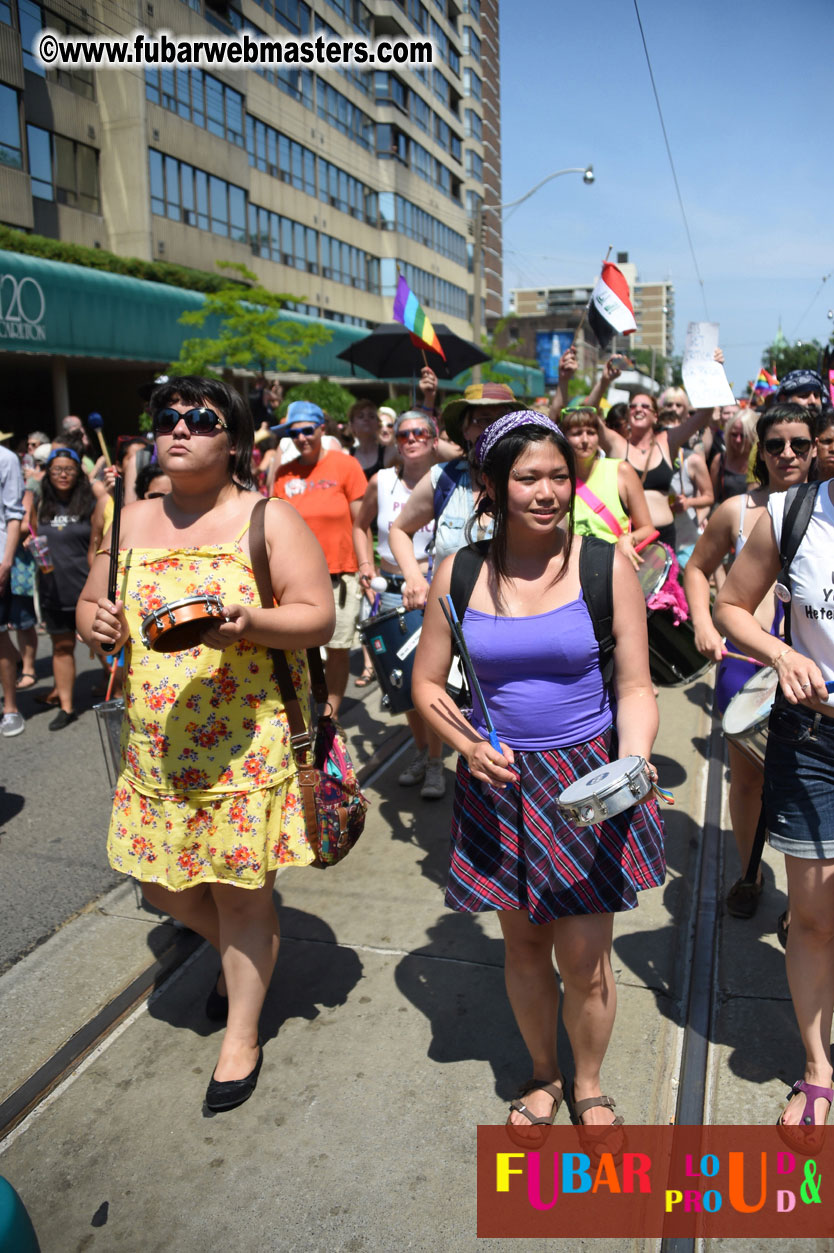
[[799, 782]]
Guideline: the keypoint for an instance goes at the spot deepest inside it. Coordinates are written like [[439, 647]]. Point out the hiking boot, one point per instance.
[[415, 771]]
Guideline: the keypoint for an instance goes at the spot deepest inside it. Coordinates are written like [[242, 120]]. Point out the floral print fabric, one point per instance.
[[207, 791]]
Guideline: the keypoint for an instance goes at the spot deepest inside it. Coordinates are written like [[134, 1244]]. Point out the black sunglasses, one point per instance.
[[198, 421], [799, 445], [307, 431]]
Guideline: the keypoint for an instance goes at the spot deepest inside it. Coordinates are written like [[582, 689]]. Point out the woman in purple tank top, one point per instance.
[[556, 886]]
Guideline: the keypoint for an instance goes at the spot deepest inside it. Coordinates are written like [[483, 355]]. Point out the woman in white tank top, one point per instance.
[[388, 491]]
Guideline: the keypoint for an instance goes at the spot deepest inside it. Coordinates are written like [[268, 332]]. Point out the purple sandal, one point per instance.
[[798, 1136]]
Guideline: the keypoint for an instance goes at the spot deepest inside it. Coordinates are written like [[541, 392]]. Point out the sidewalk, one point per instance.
[[387, 1039]]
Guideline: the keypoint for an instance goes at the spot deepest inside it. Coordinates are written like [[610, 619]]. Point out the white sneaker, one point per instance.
[[12, 724], [415, 771], [435, 785]]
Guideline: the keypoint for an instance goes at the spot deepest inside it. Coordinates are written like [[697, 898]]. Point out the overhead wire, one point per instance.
[[671, 160], [811, 303]]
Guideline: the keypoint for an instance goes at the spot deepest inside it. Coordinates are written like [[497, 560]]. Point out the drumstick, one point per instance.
[[725, 652], [95, 421], [650, 539], [113, 574], [451, 617]]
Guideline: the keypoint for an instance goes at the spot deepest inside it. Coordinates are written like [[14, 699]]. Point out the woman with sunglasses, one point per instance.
[[784, 457], [387, 494], [555, 885], [66, 517], [326, 487], [206, 807], [799, 760]]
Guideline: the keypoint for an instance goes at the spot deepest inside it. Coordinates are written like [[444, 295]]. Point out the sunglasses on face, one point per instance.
[[198, 421], [306, 432], [639, 408], [799, 445], [422, 436]]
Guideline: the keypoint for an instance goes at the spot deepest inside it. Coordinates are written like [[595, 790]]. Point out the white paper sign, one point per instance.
[[704, 378]]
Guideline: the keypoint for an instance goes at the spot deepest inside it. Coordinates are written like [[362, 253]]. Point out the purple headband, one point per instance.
[[510, 422]]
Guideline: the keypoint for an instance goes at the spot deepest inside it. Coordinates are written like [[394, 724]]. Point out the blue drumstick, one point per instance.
[[829, 687], [457, 634]]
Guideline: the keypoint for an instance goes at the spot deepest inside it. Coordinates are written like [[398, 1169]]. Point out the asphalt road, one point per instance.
[[54, 808]]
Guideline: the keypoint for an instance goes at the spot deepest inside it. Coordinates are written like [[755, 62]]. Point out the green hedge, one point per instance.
[[97, 259]]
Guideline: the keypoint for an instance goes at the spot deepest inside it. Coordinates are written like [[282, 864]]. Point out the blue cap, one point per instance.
[[300, 411]]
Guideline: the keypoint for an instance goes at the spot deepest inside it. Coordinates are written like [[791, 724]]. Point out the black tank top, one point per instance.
[[68, 537]]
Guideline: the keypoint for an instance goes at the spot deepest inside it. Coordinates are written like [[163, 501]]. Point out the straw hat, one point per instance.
[[476, 395]]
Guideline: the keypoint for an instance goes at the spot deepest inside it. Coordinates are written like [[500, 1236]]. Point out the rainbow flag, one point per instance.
[[408, 311], [765, 383]]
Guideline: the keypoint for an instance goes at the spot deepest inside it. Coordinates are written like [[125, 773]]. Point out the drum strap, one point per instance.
[[799, 505], [299, 735], [596, 577]]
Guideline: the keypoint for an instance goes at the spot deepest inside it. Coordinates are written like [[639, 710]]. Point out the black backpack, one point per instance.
[[596, 574], [799, 505]]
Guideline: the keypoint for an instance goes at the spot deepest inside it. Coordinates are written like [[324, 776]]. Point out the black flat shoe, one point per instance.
[[62, 719], [228, 1095], [217, 1006]]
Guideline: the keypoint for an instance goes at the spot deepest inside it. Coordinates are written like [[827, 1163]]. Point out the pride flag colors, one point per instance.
[[407, 310], [765, 383]]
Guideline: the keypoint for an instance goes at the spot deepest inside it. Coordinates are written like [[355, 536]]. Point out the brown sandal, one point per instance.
[[525, 1140], [365, 678], [596, 1140]]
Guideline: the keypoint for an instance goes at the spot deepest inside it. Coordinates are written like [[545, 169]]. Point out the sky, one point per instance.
[[746, 90]]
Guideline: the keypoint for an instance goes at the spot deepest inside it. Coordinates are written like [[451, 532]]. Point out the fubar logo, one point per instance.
[[22, 308]]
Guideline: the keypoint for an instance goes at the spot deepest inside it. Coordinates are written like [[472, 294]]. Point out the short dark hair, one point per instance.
[[194, 390], [781, 411], [146, 476]]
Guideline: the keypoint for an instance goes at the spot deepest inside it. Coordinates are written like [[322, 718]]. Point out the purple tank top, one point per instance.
[[540, 676]]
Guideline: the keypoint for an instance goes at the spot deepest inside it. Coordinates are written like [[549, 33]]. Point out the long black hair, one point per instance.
[[79, 504], [193, 390], [497, 467], [780, 412]]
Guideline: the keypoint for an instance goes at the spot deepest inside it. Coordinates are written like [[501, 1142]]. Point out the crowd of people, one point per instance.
[[535, 526]]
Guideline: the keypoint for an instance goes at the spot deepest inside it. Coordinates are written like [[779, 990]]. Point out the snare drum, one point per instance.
[[607, 791], [745, 718], [391, 638], [673, 657], [180, 624]]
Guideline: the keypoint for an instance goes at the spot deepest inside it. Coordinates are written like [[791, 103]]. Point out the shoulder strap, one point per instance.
[[449, 478], [596, 578], [799, 505], [466, 567], [299, 734], [599, 507]]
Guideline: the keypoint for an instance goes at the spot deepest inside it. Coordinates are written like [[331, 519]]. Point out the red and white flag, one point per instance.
[[610, 312]]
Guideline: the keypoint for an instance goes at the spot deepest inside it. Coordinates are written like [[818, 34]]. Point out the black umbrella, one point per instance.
[[389, 352]]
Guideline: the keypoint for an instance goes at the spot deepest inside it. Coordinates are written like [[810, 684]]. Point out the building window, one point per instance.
[[197, 97], [185, 194], [340, 112], [63, 170], [471, 84], [440, 87], [11, 150], [279, 239], [33, 18], [389, 90], [471, 43], [292, 14], [343, 263], [472, 125], [474, 165], [473, 8], [39, 145]]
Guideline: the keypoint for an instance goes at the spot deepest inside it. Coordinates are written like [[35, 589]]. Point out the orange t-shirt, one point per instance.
[[323, 494]]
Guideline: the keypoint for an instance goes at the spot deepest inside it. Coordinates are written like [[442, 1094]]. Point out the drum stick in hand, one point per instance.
[[650, 539], [113, 574], [451, 616]]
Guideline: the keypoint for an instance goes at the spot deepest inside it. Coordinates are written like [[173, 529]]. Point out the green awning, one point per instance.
[[54, 309]]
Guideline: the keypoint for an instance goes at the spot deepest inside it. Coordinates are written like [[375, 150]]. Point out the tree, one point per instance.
[[805, 354], [330, 397], [252, 336]]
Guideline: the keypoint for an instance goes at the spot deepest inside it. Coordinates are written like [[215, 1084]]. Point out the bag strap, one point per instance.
[[799, 505], [596, 578], [466, 567], [299, 734], [599, 507]]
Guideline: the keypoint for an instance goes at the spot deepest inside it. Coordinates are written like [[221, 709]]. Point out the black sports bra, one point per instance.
[[659, 478]]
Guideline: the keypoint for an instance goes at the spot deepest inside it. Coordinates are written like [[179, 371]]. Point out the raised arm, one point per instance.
[[568, 365]]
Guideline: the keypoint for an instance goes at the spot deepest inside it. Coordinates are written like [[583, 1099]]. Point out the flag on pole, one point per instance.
[[765, 383], [610, 311], [408, 311]]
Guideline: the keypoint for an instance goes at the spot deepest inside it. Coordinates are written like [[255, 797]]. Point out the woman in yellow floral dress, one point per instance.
[[206, 807]]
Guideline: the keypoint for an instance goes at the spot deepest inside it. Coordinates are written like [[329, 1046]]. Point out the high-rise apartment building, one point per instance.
[[325, 181]]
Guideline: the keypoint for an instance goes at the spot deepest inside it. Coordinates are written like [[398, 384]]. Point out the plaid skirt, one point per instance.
[[517, 850]]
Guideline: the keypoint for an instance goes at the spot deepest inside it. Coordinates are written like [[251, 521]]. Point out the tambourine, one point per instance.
[[607, 791], [179, 625]]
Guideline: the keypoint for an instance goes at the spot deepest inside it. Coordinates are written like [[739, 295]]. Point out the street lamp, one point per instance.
[[587, 172]]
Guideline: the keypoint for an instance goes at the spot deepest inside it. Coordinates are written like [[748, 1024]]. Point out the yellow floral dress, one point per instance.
[[207, 790]]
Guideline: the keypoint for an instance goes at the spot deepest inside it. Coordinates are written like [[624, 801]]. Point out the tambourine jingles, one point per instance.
[[180, 624]]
